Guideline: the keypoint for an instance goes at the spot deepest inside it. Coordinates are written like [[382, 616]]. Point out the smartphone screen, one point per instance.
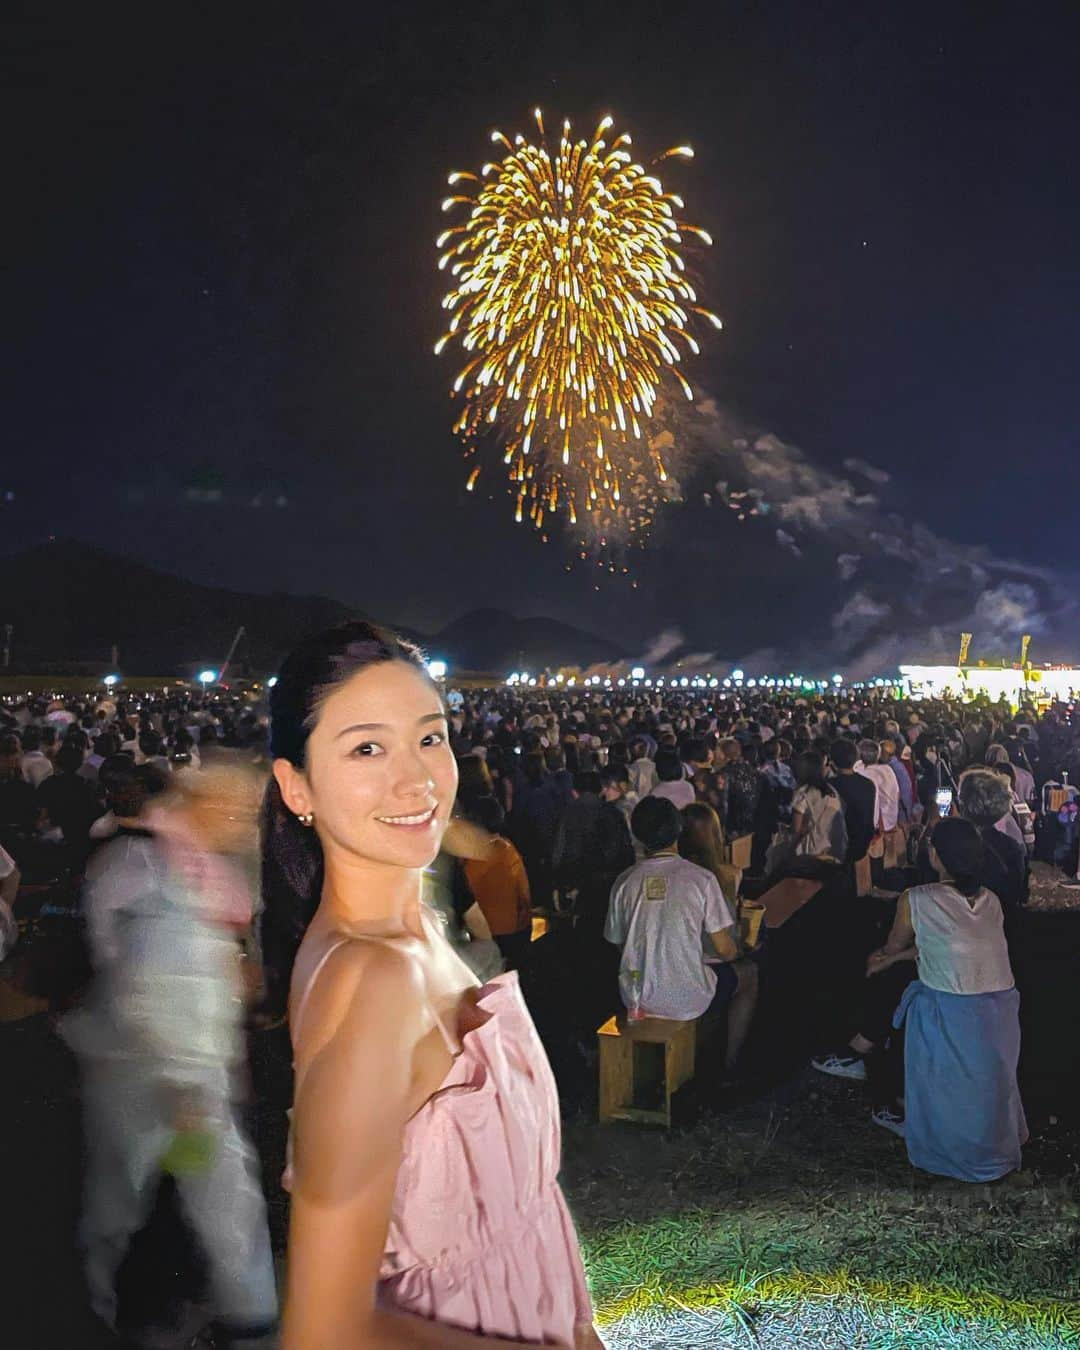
[[943, 797]]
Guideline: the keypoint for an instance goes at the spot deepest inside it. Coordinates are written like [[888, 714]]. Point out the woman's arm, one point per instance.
[[880, 960], [902, 935], [355, 1096], [800, 823]]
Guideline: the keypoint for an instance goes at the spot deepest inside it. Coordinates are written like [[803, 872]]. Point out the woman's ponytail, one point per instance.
[[292, 877]]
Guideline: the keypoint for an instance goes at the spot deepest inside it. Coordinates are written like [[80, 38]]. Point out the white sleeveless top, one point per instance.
[[962, 948]]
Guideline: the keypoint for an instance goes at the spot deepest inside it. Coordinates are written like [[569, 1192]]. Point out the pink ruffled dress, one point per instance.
[[480, 1236]]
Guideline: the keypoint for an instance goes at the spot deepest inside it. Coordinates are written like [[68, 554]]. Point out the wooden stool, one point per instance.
[[623, 1070]]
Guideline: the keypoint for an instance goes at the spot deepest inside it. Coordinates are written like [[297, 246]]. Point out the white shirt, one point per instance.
[[660, 913], [962, 947], [1025, 785], [827, 832], [643, 776], [681, 792], [887, 808], [36, 767]]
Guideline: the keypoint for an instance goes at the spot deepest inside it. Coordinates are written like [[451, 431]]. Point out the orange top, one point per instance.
[[501, 888]]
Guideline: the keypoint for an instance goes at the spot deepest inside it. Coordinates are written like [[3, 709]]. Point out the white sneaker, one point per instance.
[[845, 1064], [889, 1120]]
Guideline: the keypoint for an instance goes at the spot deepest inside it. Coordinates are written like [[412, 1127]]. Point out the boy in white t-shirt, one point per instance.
[[666, 913]]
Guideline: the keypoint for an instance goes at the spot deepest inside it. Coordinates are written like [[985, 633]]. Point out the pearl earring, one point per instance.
[[306, 818]]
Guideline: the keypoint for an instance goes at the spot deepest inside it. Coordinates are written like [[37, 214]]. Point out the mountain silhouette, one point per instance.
[[69, 605]]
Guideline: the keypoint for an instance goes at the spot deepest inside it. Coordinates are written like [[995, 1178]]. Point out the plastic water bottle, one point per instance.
[[635, 1012]]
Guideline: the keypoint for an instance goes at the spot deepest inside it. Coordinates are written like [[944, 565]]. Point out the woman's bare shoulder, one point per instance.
[[376, 982]]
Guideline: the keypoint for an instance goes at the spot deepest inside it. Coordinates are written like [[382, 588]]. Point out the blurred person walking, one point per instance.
[[159, 1038]]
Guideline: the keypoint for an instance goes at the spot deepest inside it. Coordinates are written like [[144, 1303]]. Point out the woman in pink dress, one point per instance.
[[425, 1144]]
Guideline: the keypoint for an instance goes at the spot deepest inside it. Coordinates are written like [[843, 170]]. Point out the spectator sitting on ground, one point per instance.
[[615, 788], [474, 781], [106, 745], [592, 846], [701, 773], [1025, 779], [126, 789], [662, 911], [743, 786], [36, 765], [702, 842], [963, 1114], [152, 750], [817, 812], [984, 797], [780, 778], [643, 775], [673, 784], [68, 803], [1009, 823]]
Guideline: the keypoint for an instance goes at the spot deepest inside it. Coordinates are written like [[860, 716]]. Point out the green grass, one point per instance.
[[806, 1223]]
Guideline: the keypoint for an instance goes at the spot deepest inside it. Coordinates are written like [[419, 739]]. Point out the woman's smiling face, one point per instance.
[[379, 777]]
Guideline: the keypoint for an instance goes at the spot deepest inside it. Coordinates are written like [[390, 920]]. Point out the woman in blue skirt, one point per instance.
[[963, 1114]]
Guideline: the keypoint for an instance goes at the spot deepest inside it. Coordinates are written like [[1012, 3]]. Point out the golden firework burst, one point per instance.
[[572, 305]]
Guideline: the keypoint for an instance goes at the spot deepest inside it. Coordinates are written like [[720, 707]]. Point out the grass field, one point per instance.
[[797, 1222]]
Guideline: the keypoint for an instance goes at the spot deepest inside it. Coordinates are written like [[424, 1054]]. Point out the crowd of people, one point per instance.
[[413, 843]]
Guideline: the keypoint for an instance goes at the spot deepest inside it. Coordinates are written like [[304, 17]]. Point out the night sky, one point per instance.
[[222, 289]]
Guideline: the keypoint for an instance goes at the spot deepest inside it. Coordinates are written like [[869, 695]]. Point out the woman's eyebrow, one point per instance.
[[361, 726], [382, 726]]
